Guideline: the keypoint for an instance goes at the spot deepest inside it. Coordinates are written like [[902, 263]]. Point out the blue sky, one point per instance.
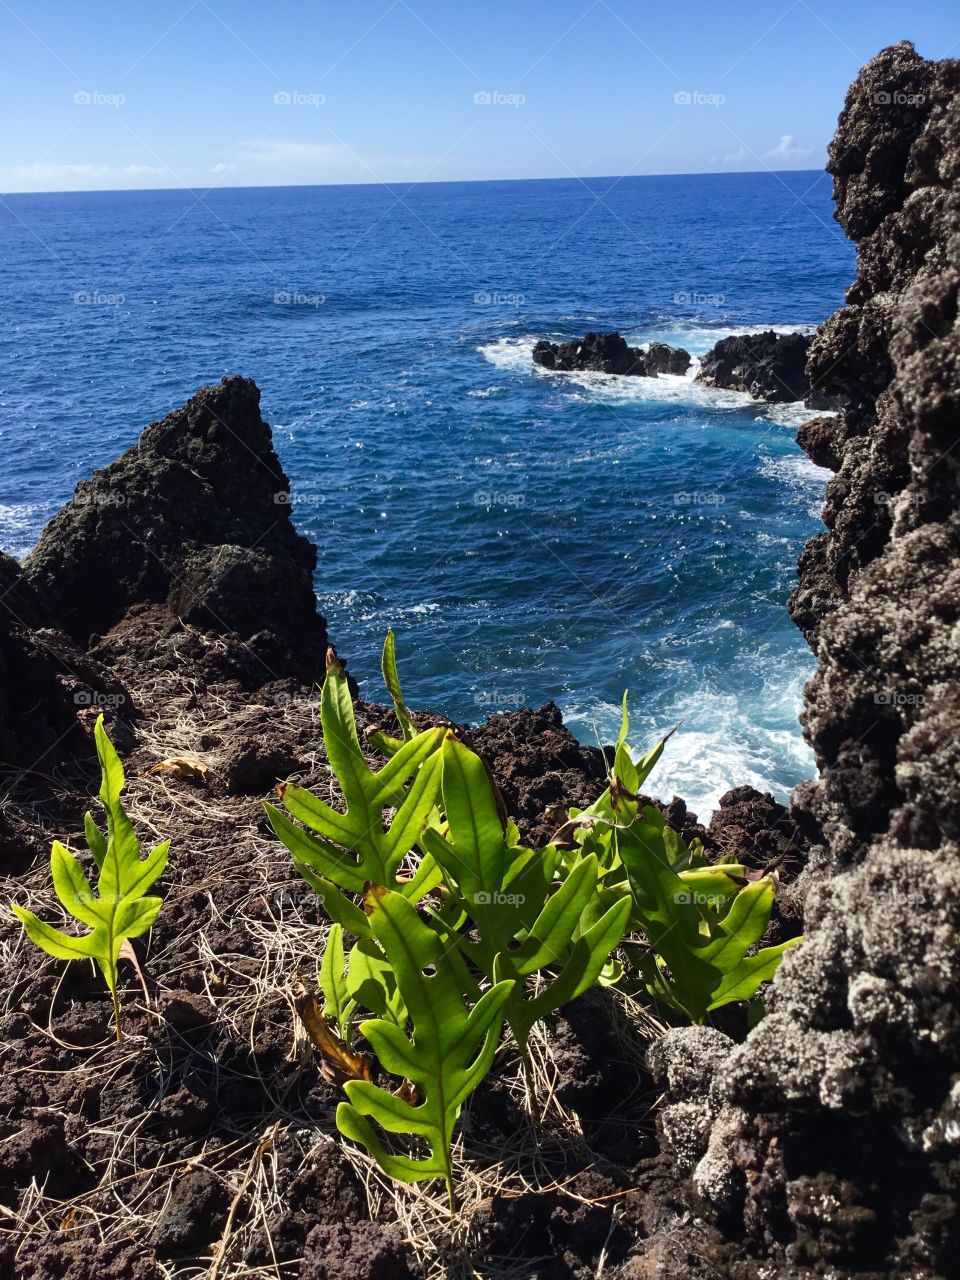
[[240, 92]]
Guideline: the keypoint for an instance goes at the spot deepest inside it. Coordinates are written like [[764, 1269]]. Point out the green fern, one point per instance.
[[119, 909], [525, 923], [445, 1055], [354, 848]]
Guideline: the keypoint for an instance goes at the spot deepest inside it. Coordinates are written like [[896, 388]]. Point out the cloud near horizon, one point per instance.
[[786, 149]]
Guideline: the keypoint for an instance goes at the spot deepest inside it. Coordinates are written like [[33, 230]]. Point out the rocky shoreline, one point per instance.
[[174, 595], [770, 366]]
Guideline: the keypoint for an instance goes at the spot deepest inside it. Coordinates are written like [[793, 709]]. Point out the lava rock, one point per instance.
[[826, 1140], [195, 518], [50, 690], [594, 353], [818, 439], [368, 1251], [662, 358], [37, 1148], [193, 1217], [768, 366]]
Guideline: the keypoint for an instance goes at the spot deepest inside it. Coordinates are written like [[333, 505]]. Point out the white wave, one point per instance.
[[698, 337], [481, 393], [347, 599], [517, 354], [802, 477], [723, 742], [20, 525], [512, 353], [390, 615]]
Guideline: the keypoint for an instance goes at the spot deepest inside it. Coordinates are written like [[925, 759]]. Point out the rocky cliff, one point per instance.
[[192, 527], [830, 1139]]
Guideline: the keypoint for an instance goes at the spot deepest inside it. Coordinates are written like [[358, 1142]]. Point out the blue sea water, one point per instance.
[[528, 535]]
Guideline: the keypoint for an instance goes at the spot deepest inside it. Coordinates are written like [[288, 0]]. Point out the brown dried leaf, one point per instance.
[[127, 953], [408, 1092], [340, 1063], [184, 767]]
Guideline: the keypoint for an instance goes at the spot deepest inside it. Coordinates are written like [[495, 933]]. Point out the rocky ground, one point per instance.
[[173, 594]]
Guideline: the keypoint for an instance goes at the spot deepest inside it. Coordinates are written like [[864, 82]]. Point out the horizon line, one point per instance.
[[436, 182]]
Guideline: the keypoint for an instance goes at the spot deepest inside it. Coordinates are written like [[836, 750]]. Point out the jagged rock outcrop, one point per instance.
[[48, 685], [610, 353], [192, 528], [830, 1139], [662, 358], [768, 366], [594, 353]]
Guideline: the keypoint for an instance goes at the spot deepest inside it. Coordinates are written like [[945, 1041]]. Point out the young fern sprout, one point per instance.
[[338, 853], [118, 910], [701, 921]]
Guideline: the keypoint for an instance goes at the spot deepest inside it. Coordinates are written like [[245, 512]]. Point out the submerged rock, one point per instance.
[[194, 521]]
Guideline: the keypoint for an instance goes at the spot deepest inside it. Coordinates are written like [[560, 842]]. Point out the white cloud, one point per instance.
[[59, 172], [740, 156], [220, 167], [786, 149], [145, 168]]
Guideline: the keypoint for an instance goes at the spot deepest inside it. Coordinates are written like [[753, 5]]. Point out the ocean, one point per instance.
[[528, 535]]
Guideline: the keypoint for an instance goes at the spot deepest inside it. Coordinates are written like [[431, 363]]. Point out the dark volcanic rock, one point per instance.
[[369, 1251], [768, 366], [594, 353], [194, 519], [540, 767], [664, 359], [48, 686], [193, 1216], [818, 438], [828, 1139]]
